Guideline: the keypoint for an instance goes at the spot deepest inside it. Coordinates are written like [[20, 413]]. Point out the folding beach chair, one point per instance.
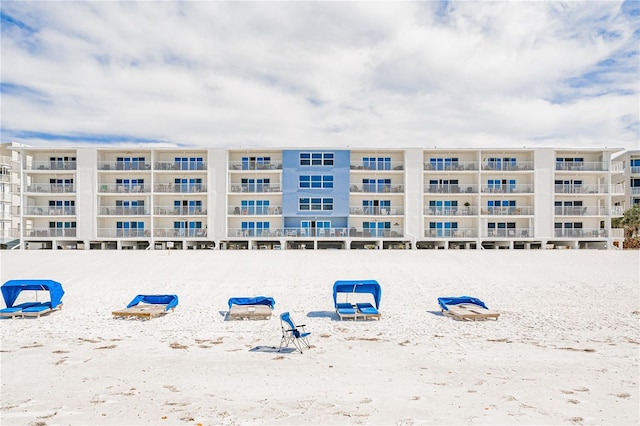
[[292, 333]]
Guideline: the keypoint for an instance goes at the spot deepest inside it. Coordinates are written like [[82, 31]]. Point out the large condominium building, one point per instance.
[[629, 161], [159, 198]]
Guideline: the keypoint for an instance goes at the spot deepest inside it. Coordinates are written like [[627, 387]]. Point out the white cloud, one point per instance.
[[282, 74]]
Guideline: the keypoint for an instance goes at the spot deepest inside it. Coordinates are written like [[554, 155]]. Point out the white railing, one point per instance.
[[123, 211], [377, 187], [254, 210], [451, 233], [49, 232], [255, 187], [376, 210], [121, 188], [51, 188], [49, 211], [179, 210]]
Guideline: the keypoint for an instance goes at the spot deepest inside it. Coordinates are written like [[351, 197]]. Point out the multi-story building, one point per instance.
[[160, 198], [629, 179], [9, 196]]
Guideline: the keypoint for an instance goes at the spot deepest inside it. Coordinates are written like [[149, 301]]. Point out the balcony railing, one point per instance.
[[508, 189], [451, 233], [123, 211], [507, 233], [120, 188], [581, 189], [507, 210], [253, 165], [376, 210], [123, 233], [635, 190], [254, 210], [580, 211], [451, 189], [180, 165], [580, 233], [180, 187], [124, 165], [179, 211], [377, 165], [508, 166], [595, 166], [50, 188], [454, 165], [50, 165], [635, 170], [255, 187], [377, 188], [451, 211], [180, 232], [50, 232], [49, 211]]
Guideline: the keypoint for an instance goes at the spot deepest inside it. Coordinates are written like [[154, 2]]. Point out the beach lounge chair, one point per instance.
[[346, 289], [148, 306], [251, 308], [368, 311], [13, 288], [15, 311], [346, 310], [292, 333], [466, 308]]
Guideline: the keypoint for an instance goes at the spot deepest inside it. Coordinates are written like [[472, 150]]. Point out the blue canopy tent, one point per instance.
[[258, 300], [444, 301], [358, 286], [171, 300], [12, 288]]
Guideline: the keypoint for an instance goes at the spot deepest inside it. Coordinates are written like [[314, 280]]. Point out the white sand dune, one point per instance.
[[565, 349]]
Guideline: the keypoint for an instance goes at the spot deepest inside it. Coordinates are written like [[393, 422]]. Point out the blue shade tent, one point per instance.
[[358, 286], [171, 300], [258, 300], [12, 288], [444, 301]]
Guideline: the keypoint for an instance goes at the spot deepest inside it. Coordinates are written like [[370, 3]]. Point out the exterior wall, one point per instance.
[[159, 198]]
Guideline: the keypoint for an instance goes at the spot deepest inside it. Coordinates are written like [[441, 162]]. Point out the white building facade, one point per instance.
[[163, 198]]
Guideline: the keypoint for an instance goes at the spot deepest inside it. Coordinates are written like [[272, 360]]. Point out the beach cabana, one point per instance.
[[258, 307], [466, 308], [357, 307], [12, 289], [147, 306]]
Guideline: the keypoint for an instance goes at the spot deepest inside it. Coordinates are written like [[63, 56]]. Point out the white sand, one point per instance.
[[565, 349]]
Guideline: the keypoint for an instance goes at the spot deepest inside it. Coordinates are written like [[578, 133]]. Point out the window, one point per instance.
[[255, 229], [449, 163], [316, 204], [316, 159], [315, 181], [130, 163], [62, 229], [446, 207], [499, 229], [375, 207], [501, 206], [376, 163], [252, 163], [376, 229], [376, 185]]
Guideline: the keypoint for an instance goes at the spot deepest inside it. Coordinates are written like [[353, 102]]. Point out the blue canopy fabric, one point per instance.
[[444, 301], [258, 300], [358, 286], [12, 288], [171, 300]]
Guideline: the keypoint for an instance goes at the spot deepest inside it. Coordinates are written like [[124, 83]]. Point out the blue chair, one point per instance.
[[292, 333]]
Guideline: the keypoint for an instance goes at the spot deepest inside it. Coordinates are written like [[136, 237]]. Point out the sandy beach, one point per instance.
[[565, 349]]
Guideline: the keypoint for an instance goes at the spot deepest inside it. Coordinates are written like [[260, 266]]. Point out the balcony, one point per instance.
[[123, 211], [254, 165], [376, 210], [507, 211], [508, 166], [180, 232], [451, 233], [180, 188], [507, 233], [581, 189], [49, 211], [51, 188], [119, 188], [179, 211], [123, 233], [582, 166], [454, 165], [50, 165], [377, 188], [451, 189], [580, 211], [255, 187], [50, 232], [180, 165], [382, 166], [451, 211], [580, 233], [507, 189], [123, 165], [254, 210]]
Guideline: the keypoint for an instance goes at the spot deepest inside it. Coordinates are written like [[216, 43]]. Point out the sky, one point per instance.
[[321, 74]]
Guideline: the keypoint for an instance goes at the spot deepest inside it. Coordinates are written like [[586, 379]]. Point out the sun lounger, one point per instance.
[[367, 311], [147, 306], [250, 312], [143, 311], [346, 310], [16, 311], [251, 308], [39, 310], [466, 308]]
